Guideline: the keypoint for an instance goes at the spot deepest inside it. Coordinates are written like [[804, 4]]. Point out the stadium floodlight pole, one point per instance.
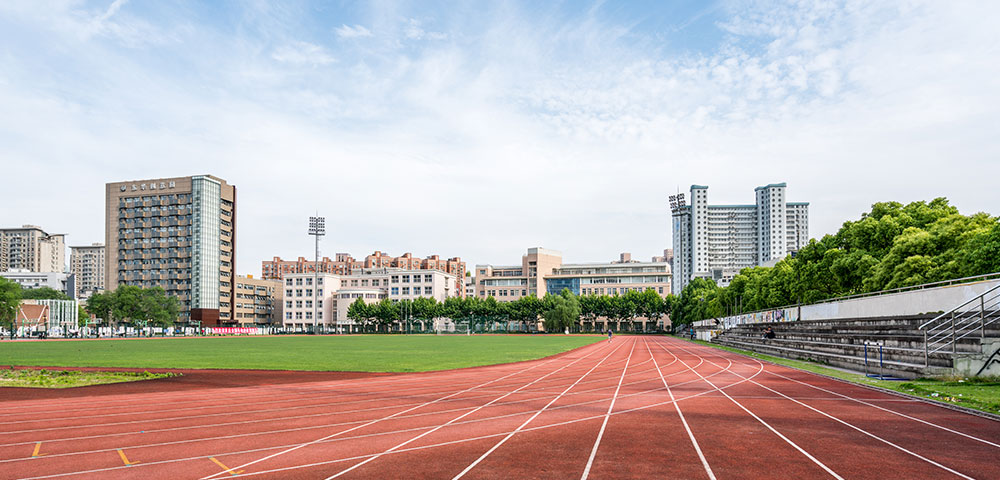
[[317, 228]]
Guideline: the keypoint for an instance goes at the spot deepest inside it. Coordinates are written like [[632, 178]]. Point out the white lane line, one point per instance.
[[379, 419], [288, 430], [604, 424], [466, 414], [876, 437], [687, 428], [762, 422], [526, 422], [527, 429], [908, 417]]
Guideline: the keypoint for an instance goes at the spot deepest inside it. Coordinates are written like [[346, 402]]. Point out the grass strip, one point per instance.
[[69, 378], [977, 393]]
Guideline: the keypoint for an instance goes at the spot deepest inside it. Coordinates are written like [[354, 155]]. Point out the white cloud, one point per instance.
[[302, 53], [527, 129], [356, 31]]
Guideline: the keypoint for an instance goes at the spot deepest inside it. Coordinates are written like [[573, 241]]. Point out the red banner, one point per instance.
[[235, 330]]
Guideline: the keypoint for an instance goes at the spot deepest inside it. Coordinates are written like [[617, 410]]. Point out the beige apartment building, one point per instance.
[[510, 282], [178, 233], [542, 271], [31, 248], [335, 293], [345, 264], [258, 302], [86, 263]]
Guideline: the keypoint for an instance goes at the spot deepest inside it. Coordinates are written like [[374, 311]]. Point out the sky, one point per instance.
[[480, 129]]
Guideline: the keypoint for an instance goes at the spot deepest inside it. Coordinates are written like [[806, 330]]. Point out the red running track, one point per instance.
[[634, 407]]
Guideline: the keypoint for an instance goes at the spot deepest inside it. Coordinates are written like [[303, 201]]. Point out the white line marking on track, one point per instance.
[[470, 412], [526, 422], [876, 437], [687, 428], [527, 429], [865, 402], [762, 422], [380, 419], [604, 424]]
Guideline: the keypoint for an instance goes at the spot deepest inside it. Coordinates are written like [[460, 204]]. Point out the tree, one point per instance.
[[157, 308], [10, 298], [43, 293], [561, 311], [359, 312], [525, 310], [386, 312], [425, 309], [650, 305], [127, 304], [82, 317], [100, 305]]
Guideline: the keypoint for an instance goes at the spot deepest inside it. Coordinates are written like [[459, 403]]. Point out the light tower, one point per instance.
[[317, 228]]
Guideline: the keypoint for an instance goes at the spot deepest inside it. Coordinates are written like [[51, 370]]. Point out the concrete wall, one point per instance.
[[913, 302]]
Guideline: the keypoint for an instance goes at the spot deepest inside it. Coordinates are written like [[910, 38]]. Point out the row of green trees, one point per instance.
[[892, 246], [136, 306], [558, 312]]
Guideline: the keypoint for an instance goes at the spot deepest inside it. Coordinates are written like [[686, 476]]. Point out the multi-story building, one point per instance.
[[258, 301], [345, 264], [614, 278], [309, 300], [335, 293], [177, 233], [717, 241], [86, 263], [60, 281], [31, 248], [510, 282]]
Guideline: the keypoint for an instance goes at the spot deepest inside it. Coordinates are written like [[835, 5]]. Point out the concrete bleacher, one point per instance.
[[841, 343]]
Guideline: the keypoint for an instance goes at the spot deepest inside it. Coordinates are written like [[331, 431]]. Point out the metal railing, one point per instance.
[[945, 330]]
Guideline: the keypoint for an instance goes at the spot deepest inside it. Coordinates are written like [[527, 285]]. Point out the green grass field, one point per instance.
[[365, 353]]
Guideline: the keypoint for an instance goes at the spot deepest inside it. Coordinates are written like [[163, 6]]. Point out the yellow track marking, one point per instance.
[[125, 459], [227, 469], [38, 446]]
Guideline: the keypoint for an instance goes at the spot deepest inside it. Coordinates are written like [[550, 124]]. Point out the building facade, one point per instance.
[[328, 304], [345, 264], [86, 263], [717, 241], [258, 302], [177, 233], [31, 248], [509, 282], [60, 281], [614, 278]]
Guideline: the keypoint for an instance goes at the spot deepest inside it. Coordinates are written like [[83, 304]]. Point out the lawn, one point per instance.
[[68, 379], [362, 353], [976, 393]]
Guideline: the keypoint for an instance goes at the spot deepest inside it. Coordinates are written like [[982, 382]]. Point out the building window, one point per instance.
[[427, 290], [406, 279], [406, 290], [298, 292], [395, 279], [395, 290]]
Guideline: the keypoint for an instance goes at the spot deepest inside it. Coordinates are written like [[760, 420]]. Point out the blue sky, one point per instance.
[[480, 129]]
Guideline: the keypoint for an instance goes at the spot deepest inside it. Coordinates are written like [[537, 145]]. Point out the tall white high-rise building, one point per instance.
[[717, 241]]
